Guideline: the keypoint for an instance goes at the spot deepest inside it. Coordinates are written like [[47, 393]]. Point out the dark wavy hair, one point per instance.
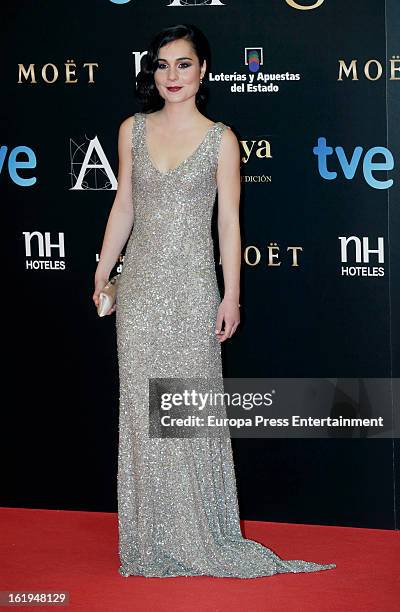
[[146, 90]]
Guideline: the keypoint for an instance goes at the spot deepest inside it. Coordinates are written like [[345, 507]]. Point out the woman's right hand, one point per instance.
[[99, 285]]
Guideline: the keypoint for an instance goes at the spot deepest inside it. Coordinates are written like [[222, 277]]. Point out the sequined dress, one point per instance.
[[177, 500]]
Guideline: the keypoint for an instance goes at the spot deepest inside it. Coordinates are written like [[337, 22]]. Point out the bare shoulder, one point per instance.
[[127, 125], [228, 154], [125, 140], [229, 141]]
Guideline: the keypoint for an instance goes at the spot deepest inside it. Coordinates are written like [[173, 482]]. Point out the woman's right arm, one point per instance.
[[120, 220]]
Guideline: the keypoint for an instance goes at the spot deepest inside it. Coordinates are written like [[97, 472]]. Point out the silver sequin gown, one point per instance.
[[177, 501]]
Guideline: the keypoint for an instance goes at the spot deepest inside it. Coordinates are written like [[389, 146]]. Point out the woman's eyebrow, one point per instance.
[[177, 59]]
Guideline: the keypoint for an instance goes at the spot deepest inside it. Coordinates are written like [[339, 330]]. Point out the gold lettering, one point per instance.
[[379, 70], [299, 7], [343, 68], [294, 254], [22, 71], [44, 73], [271, 255], [265, 147], [246, 255], [395, 60], [91, 64], [70, 67]]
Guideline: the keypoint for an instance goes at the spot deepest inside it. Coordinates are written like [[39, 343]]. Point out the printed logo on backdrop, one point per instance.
[[90, 168], [44, 251], [20, 157], [351, 164], [50, 73], [253, 58], [196, 3], [359, 251], [253, 150], [293, 3], [271, 256], [254, 81], [182, 2], [372, 70]]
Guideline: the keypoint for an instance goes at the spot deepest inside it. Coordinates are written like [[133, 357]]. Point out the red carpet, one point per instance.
[[77, 552]]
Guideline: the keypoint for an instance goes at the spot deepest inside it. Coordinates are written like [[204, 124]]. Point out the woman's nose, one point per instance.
[[172, 74]]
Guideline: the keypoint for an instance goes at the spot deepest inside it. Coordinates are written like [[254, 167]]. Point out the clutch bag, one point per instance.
[[107, 296]]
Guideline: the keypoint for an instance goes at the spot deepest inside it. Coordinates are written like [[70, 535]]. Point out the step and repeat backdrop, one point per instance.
[[311, 89]]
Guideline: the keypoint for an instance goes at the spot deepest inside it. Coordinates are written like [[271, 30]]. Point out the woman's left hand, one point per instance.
[[228, 312]]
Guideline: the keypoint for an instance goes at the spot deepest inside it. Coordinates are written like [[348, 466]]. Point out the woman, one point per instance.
[[177, 500]]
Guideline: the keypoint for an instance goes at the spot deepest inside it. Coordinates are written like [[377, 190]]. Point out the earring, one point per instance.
[[201, 81]]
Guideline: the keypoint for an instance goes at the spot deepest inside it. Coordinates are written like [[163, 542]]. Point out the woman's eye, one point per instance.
[[183, 65]]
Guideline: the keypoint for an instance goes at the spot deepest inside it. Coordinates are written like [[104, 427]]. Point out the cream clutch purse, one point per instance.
[[108, 296]]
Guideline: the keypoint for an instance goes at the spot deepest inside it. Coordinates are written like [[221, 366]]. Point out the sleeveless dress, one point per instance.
[[177, 500]]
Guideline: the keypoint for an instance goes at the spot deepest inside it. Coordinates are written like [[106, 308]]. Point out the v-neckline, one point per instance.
[[184, 161]]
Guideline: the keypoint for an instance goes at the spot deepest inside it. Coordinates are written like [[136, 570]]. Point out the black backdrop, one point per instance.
[[60, 420]]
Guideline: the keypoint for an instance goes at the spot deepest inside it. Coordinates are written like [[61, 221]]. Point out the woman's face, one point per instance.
[[178, 67]]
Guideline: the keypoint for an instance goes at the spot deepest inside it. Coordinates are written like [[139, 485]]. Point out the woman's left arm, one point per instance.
[[228, 183]]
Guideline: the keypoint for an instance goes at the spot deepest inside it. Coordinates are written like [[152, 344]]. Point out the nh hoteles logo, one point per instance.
[[358, 252], [44, 251]]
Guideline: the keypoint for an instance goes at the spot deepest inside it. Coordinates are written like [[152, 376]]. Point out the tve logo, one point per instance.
[[350, 166], [19, 157]]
